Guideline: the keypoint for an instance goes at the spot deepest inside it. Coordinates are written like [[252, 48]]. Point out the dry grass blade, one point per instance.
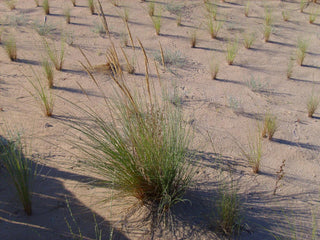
[[103, 17]]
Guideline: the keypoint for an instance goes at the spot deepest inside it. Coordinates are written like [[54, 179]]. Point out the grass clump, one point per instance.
[[170, 58], [303, 5], [37, 3], [193, 39], [151, 8], [285, 15], [11, 4], [213, 27], [48, 70], [246, 9], [46, 7], [91, 6], [232, 50], [228, 207], [290, 67], [143, 151], [268, 17], [312, 105], [20, 168], [11, 48], [67, 15], [156, 20], [44, 29], [214, 70], [74, 2], [301, 51], [313, 16], [248, 40], [253, 153], [269, 126], [212, 10], [267, 32], [42, 94], [54, 55]]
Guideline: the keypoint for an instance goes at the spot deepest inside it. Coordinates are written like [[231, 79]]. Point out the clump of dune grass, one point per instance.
[[214, 27], [21, 169], [179, 19], [48, 70], [254, 153], [11, 48], [246, 9], [115, 3], [151, 8], [248, 40], [312, 104], [98, 28], [232, 50], [74, 2], [228, 206], [285, 15], [102, 17], [193, 39], [303, 5], [290, 67], [57, 57], [91, 6], [169, 58], [313, 16], [212, 10], [46, 7], [11, 4], [67, 15], [214, 70], [37, 3], [268, 17], [44, 29], [269, 126], [267, 30], [125, 15], [156, 20], [143, 150], [42, 94], [302, 50], [129, 64]]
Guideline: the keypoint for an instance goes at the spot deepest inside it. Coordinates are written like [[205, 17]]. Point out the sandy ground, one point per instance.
[[226, 109]]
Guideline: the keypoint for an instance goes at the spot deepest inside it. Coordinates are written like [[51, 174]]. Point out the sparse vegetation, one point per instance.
[[91, 6], [232, 50], [46, 7], [67, 15], [21, 169], [214, 69], [214, 27], [253, 153], [74, 3], [269, 126], [303, 5], [193, 39], [156, 20], [246, 9], [11, 4], [248, 40], [37, 3], [290, 67], [312, 104], [11, 48], [170, 59], [313, 16], [267, 32], [42, 94], [301, 51], [151, 7], [48, 70], [55, 56], [285, 15], [44, 29]]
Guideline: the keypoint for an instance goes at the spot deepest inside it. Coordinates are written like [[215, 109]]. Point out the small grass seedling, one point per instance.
[[228, 207], [267, 32], [253, 153], [11, 48], [303, 5], [91, 6], [313, 16], [74, 2], [21, 169], [255, 84], [115, 3], [268, 17], [179, 19], [99, 29], [46, 7], [44, 29], [248, 39], [214, 69], [11, 4], [312, 104], [125, 15], [246, 9], [67, 15], [37, 3], [290, 67], [54, 55], [156, 20], [285, 15], [301, 51], [48, 70], [42, 94], [212, 10], [232, 50], [214, 27], [269, 126], [193, 39], [151, 8]]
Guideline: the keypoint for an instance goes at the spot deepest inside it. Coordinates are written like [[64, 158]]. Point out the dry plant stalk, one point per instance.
[[130, 35], [280, 175], [162, 56]]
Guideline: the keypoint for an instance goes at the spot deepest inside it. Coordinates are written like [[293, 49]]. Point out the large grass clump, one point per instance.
[[20, 168], [143, 149]]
